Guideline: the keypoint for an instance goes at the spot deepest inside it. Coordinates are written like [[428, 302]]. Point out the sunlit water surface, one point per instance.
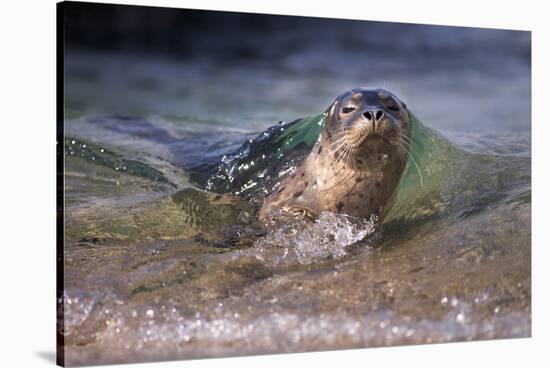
[[157, 269]]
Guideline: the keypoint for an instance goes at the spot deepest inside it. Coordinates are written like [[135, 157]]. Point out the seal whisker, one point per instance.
[[405, 139], [346, 155], [339, 135], [349, 153], [400, 154], [403, 148], [403, 155], [347, 175], [410, 144], [417, 167], [342, 181], [342, 154], [338, 140], [347, 164], [333, 148], [347, 149], [403, 151], [343, 167]]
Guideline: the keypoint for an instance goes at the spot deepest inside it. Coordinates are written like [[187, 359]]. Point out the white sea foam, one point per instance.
[[307, 242]]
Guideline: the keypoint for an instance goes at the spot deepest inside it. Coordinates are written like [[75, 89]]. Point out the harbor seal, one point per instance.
[[355, 166]]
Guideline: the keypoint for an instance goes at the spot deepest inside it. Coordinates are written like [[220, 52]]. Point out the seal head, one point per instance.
[[356, 164]]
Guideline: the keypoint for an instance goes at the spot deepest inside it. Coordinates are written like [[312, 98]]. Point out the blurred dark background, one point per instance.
[[255, 69], [198, 33]]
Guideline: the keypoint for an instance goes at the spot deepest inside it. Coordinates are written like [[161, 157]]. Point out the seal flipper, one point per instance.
[[234, 236]]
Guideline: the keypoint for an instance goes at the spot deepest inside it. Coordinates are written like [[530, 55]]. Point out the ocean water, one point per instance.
[[156, 268]]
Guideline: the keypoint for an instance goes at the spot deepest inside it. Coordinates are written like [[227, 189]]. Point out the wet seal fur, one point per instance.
[[356, 164]]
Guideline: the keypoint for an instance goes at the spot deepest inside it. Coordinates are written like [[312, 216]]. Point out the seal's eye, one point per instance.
[[393, 108], [348, 109]]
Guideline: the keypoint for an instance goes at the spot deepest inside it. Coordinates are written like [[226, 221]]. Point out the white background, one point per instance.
[[27, 179]]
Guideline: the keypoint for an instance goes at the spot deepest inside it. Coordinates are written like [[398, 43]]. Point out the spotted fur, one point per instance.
[[357, 162]]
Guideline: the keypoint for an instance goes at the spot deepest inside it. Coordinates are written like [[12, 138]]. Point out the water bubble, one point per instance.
[[305, 241], [150, 313]]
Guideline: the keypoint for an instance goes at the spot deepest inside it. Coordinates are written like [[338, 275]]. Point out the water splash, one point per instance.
[[163, 331], [306, 242], [256, 168], [77, 306]]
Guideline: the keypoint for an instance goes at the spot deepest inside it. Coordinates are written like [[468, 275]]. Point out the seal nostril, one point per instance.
[[379, 115], [368, 115]]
